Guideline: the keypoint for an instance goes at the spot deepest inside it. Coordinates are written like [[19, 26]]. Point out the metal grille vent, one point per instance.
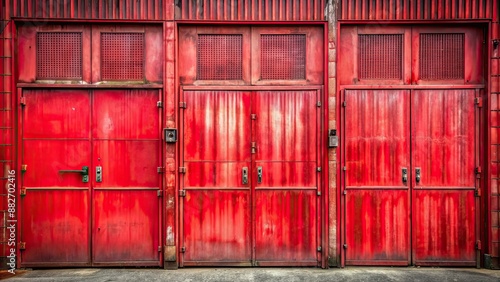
[[380, 56], [283, 56], [219, 57], [441, 56], [122, 56], [59, 55]]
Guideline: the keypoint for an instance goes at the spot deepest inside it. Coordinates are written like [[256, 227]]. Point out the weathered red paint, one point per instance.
[[117, 130], [269, 221]]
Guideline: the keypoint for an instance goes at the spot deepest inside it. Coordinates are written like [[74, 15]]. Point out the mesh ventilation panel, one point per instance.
[[283, 56], [59, 55], [380, 56], [219, 57], [441, 56], [122, 56]]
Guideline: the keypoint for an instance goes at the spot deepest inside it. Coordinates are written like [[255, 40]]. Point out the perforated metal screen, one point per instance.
[[122, 56], [59, 55], [380, 56], [441, 56], [283, 56], [219, 57]]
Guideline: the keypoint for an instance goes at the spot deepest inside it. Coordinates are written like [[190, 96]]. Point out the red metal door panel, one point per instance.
[[55, 211], [216, 221], [126, 139], [286, 214], [444, 149], [217, 227], [377, 150]]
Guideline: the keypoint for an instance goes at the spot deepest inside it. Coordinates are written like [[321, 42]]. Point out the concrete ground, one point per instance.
[[369, 274]]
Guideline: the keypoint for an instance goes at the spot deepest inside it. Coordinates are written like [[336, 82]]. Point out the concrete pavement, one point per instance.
[[370, 274]]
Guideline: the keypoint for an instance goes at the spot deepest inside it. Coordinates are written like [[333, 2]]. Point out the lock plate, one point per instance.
[[244, 175], [259, 174], [333, 139], [98, 174], [170, 135]]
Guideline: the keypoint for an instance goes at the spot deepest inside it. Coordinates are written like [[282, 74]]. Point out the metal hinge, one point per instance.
[[183, 249], [344, 168], [478, 171], [24, 167], [23, 191], [160, 169], [253, 149], [345, 192], [22, 245], [159, 193], [318, 249], [182, 169], [345, 246], [22, 101], [478, 245], [318, 104], [160, 248], [318, 193], [253, 116], [159, 104], [477, 192], [182, 193], [318, 169], [182, 105], [478, 101], [344, 104]]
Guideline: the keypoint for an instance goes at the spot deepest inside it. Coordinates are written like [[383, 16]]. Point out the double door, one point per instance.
[[250, 189], [90, 181], [410, 178]]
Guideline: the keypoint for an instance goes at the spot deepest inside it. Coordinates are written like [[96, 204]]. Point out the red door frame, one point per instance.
[[324, 209], [484, 154]]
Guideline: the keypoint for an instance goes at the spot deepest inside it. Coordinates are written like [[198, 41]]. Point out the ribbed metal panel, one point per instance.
[[256, 10], [90, 9], [415, 9]]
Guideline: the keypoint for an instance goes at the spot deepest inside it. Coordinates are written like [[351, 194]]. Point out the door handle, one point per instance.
[[244, 175], [98, 174], [259, 174], [84, 172], [417, 174], [404, 171]]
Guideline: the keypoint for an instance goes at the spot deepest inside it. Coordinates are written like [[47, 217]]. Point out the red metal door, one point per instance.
[[377, 158], [114, 130], [444, 151], [285, 177], [234, 199], [216, 221], [126, 150], [55, 211]]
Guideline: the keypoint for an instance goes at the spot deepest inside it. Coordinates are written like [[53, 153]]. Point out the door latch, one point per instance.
[[98, 174], [259, 174], [84, 172], [417, 175], [404, 171], [244, 175]]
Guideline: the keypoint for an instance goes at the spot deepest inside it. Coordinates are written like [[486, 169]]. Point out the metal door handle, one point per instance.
[[417, 174], [259, 174], [244, 175], [84, 172], [404, 170]]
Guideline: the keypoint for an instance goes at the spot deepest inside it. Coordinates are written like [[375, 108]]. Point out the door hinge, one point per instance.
[[319, 249], [253, 116], [22, 245], [318, 169], [182, 105], [24, 167], [23, 191], [318, 104], [160, 169], [344, 168], [182, 169], [254, 147], [478, 171], [344, 104], [345, 192], [183, 249], [318, 193], [22, 101], [477, 192], [160, 248], [182, 193], [478, 245], [159, 104], [478, 101], [345, 246], [159, 193]]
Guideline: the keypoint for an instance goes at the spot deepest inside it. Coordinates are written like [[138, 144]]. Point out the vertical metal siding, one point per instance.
[[256, 10], [415, 10]]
